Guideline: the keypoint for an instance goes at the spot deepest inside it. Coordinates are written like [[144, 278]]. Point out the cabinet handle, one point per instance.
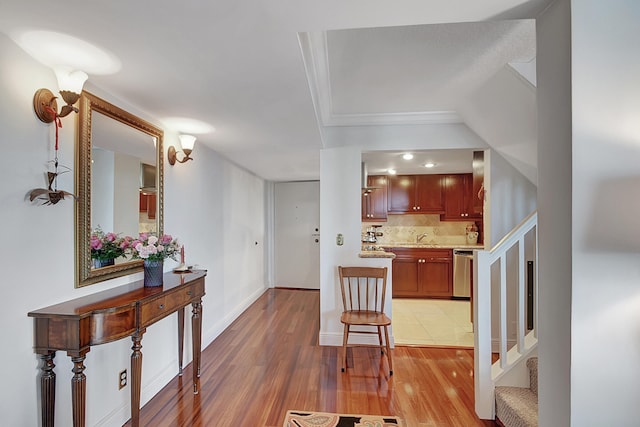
[[418, 207], [161, 306]]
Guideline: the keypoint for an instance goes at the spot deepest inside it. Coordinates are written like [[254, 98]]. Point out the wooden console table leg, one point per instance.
[[180, 339], [196, 328], [136, 377], [78, 390], [48, 389]]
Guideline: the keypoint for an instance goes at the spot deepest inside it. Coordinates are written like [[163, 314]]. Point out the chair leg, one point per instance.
[[380, 339], [386, 337], [345, 339]]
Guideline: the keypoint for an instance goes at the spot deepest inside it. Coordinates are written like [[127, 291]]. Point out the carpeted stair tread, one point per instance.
[[517, 406], [532, 364]]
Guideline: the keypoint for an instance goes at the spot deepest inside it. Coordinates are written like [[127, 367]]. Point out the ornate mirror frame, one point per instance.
[[85, 274]]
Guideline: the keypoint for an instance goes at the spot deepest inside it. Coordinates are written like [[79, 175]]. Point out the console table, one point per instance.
[[76, 325]]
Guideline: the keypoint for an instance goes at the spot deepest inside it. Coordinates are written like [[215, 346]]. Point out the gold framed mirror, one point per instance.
[[118, 183]]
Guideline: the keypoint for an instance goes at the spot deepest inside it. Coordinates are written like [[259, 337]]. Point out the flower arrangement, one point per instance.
[[108, 246], [150, 247]]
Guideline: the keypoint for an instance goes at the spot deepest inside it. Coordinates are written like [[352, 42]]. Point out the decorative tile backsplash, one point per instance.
[[406, 229]]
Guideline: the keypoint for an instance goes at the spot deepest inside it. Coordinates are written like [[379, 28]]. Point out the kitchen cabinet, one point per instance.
[[459, 198], [374, 199], [415, 194], [422, 273]]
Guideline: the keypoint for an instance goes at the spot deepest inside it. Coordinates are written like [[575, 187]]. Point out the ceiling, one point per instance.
[[272, 77]]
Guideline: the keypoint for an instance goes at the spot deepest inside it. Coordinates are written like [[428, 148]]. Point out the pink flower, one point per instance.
[[110, 237], [166, 239], [96, 243]]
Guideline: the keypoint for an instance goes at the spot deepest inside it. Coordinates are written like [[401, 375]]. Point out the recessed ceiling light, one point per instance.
[[391, 171], [429, 165], [407, 156]]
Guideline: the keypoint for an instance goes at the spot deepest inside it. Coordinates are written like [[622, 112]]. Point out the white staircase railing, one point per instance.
[[499, 272]]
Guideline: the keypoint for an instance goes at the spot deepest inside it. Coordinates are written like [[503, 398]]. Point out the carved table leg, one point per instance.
[[196, 330], [136, 377], [180, 339], [78, 390], [48, 389]]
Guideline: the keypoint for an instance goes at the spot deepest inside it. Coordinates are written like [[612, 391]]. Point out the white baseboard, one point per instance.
[[212, 332], [122, 413]]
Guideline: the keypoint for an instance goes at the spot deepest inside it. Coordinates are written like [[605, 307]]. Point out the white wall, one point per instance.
[[215, 208], [340, 213], [605, 310], [554, 217], [511, 197]]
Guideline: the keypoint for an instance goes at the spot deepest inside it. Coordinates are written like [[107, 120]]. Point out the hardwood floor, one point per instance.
[[268, 361]]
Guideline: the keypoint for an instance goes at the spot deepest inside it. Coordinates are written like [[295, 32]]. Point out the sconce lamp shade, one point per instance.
[[70, 86], [71, 81], [187, 142]]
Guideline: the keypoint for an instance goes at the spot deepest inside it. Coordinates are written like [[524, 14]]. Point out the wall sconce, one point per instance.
[[186, 142], [70, 84]]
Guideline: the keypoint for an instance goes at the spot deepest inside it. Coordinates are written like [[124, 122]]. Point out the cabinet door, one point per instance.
[[471, 199], [454, 189], [377, 198], [435, 277], [429, 193], [404, 276], [401, 194]]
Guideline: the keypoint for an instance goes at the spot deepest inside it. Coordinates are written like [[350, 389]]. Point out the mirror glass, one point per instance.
[[119, 181]]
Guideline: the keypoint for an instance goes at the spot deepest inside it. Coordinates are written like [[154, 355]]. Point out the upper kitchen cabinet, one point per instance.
[[374, 199], [415, 194], [459, 198]]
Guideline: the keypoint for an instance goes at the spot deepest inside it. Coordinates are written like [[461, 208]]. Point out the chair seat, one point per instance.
[[368, 318]]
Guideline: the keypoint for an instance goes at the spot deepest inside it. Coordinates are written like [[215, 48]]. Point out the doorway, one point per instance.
[[297, 234]]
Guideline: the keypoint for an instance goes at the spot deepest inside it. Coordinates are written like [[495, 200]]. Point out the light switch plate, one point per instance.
[[339, 239]]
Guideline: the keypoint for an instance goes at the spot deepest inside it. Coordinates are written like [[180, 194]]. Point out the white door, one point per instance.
[[297, 234]]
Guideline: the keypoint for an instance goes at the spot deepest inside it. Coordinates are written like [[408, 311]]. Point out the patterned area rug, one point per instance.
[[325, 419]]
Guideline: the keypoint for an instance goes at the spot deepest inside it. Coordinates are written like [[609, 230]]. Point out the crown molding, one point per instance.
[[316, 61]]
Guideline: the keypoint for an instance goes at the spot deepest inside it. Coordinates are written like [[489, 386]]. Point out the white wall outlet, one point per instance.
[[122, 379]]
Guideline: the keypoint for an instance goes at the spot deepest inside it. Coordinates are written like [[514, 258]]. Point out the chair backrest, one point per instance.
[[363, 288]]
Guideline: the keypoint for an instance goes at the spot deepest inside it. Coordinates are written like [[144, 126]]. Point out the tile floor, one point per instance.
[[432, 322]]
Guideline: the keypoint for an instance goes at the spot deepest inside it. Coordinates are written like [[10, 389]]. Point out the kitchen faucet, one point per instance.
[[419, 237]]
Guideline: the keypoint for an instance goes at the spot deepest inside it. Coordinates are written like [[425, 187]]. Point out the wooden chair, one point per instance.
[[363, 296]]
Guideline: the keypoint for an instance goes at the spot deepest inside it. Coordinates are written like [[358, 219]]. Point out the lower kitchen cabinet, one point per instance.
[[422, 273]]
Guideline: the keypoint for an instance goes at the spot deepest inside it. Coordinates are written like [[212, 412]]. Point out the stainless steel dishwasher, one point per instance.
[[462, 273]]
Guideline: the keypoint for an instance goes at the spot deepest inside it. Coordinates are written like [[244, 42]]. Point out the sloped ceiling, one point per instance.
[[238, 65]]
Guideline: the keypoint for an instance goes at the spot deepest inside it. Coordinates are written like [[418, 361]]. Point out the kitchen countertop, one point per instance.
[[430, 246], [376, 254]]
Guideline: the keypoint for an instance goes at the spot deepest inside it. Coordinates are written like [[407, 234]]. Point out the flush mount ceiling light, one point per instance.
[[186, 142], [429, 165], [391, 171], [70, 84], [407, 156]]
